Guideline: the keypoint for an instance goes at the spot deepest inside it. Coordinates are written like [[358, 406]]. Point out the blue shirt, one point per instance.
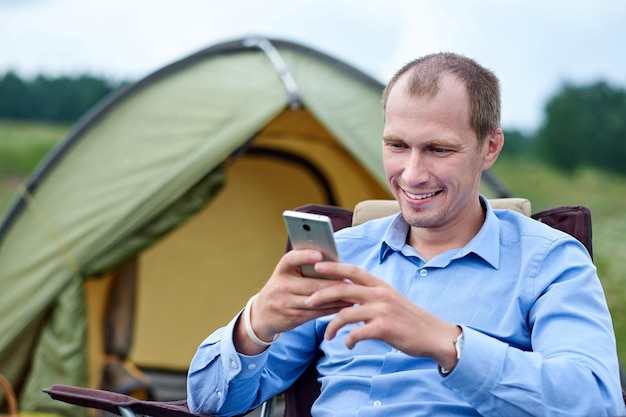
[[538, 337]]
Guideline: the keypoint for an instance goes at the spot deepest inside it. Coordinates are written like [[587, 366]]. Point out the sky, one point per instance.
[[534, 46]]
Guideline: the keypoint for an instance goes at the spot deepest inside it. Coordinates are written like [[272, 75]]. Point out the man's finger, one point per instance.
[[347, 271]]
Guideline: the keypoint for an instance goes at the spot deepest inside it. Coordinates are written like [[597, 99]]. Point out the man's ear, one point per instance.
[[493, 144]]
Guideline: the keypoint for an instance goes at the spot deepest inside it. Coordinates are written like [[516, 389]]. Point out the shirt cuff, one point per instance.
[[237, 364], [479, 368]]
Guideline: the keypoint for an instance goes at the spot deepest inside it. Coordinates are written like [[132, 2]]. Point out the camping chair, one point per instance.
[[575, 220]]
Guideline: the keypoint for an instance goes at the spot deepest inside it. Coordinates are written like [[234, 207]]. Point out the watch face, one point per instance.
[[458, 345]]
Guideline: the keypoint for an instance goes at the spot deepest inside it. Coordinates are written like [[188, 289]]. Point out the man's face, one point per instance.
[[431, 156]]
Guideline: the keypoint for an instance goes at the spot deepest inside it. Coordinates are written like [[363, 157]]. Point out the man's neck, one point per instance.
[[433, 241]]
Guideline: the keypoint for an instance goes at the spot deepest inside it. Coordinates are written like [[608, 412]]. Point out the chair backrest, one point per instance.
[[373, 209], [575, 220]]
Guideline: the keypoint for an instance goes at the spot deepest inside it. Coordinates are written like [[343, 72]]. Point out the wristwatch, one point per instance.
[[458, 346]]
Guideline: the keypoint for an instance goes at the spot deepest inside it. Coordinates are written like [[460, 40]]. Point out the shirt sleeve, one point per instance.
[[572, 369], [214, 365], [223, 382]]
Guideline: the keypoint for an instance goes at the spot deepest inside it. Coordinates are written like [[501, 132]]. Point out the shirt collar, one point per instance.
[[485, 244]]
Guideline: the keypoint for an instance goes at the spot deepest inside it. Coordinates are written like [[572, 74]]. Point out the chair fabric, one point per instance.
[[575, 220], [112, 401], [373, 209]]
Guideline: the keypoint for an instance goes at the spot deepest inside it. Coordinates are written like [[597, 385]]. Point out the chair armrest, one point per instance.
[[112, 401]]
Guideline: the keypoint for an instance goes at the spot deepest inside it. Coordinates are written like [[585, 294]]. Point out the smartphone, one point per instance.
[[311, 231]]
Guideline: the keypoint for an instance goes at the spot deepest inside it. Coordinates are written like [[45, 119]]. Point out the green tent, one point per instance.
[[178, 182], [159, 215]]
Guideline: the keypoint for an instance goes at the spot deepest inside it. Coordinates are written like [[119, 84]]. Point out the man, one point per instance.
[[450, 308]]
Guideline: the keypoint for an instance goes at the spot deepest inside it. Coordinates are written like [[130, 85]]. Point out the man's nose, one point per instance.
[[416, 171]]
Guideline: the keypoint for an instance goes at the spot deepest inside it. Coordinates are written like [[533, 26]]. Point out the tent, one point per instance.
[[160, 213]]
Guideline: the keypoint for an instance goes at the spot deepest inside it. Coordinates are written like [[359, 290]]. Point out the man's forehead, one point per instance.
[[449, 88], [410, 84]]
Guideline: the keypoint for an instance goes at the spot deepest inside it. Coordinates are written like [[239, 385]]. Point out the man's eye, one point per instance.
[[395, 145]]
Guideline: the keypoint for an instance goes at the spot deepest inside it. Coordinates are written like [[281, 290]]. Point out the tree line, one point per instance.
[[60, 100], [584, 125]]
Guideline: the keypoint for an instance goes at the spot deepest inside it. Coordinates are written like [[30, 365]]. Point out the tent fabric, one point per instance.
[[177, 181], [208, 136], [196, 253], [190, 203]]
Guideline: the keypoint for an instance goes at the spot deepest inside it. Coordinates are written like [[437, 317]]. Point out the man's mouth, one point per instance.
[[420, 196]]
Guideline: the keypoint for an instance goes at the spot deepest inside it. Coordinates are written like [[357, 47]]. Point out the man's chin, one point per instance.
[[419, 218]]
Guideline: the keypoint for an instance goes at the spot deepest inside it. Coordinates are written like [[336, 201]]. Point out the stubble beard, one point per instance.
[[422, 219]]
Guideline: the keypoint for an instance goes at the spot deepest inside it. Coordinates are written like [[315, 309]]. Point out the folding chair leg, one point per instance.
[[267, 409], [126, 412]]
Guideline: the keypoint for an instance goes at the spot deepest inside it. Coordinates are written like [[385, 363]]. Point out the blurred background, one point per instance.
[[562, 67]]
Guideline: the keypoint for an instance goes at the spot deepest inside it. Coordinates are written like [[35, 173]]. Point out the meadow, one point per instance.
[[23, 145]]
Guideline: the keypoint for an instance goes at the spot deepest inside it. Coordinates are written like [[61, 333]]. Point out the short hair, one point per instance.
[[482, 85]]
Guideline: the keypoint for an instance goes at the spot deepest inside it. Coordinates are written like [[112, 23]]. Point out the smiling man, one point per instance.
[[452, 308]]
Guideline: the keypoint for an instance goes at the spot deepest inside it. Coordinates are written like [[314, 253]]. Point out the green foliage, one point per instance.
[[516, 143], [585, 126], [62, 99]]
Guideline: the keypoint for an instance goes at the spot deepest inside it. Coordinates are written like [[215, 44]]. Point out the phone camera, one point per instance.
[[306, 227]]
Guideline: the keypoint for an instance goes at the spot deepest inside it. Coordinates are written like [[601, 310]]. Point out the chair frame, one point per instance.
[[575, 220]]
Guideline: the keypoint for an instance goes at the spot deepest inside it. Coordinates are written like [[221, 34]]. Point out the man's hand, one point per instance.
[[386, 314], [281, 304]]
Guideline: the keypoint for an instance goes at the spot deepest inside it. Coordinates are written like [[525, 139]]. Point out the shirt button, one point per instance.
[[423, 272], [219, 394], [234, 365], [251, 366], [377, 403]]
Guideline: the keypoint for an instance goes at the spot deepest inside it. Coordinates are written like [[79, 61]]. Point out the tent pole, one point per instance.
[[281, 67]]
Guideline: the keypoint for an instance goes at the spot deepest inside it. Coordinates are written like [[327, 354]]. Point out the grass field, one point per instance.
[[22, 145]]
